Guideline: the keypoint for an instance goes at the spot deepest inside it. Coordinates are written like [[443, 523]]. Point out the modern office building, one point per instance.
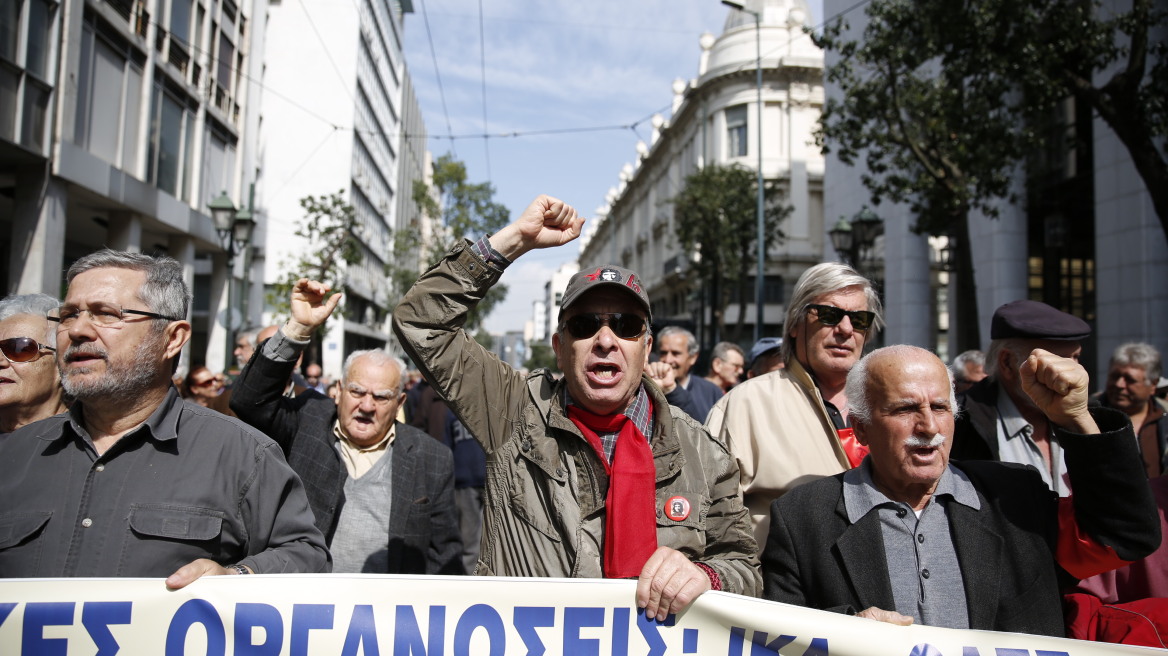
[[119, 121], [715, 119]]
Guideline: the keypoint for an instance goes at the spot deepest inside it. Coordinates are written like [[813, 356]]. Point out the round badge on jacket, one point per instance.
[[677, 508]]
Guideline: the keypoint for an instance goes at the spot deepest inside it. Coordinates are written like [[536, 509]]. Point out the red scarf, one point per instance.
[[630, 525]]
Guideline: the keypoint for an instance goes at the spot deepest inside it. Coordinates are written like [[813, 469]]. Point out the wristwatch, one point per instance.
[[239, 569]]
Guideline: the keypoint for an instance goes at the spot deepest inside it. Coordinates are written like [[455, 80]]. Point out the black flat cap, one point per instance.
[[1034, 320]]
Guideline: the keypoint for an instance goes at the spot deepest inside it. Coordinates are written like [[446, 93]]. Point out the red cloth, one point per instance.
[[1140, 622], [852, 448], [630, 524], [1077, 552]]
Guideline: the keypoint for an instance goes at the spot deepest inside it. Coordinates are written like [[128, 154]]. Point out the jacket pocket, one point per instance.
[[163, 537], [20, 549], [681, 520]]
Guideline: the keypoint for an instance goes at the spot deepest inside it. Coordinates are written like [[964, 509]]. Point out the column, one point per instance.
[[37, 255]]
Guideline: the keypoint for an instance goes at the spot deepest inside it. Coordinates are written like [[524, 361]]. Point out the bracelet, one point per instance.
[[238, 569]]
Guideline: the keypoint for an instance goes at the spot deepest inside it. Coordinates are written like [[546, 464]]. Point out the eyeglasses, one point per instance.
[[22, 349], [203, 383], [829, 315], [382, 398], [624, 325], [106, 316]]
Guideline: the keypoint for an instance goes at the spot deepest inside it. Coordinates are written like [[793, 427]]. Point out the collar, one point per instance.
[[162, 424], [1012, 420], [383, 443], [637, 411], [861, 494]]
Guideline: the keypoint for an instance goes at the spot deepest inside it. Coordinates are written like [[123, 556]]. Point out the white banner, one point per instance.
[[451, 616]]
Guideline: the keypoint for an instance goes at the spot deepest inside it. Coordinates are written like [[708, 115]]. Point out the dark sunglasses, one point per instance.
[[830, 315], [623, 325], [22, 349]]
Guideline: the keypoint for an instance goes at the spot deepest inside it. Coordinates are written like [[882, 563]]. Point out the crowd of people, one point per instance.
[[993, 493]]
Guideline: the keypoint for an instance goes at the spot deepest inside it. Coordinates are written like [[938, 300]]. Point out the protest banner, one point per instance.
[[370, 615]]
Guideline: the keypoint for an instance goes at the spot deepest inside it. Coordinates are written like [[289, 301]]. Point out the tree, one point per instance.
[[460, 210], [542, 357], [945, 100], [717, 215], [328, 227]]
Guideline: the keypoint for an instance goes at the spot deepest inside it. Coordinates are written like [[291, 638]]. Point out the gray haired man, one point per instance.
[[1132, 375], [134, 481]]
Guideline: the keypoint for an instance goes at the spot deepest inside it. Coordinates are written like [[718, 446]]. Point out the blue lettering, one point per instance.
[[305, 618], [5, 611], [970, 651], [39, 615], [620, 632], [575, 619], [407, 637], [1043, 652], [1004, 651], [760, 647], [96, 616], [248, 617], [476, 617], [196, 611], [689, 641], [818, 647], [737, 638], [362, 631], [527, 618], [650, 629]]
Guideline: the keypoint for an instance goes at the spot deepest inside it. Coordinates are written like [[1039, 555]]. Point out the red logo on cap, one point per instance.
[[631, 283], [677, 508], [594, 275]]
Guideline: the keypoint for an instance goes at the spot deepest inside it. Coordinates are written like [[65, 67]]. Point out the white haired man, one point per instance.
[[791, 426], [382, 491], [1132, 375], [910, 537]]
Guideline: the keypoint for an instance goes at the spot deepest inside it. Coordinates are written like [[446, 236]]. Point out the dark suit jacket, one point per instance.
[[704, 394], [815, 558], [423, 520], [975, 435]]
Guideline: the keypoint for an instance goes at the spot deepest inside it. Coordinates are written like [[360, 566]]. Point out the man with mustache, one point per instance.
[[382, 491], [791, 426], [1132, 375], [133, 481], [910, 537], [596, 474]]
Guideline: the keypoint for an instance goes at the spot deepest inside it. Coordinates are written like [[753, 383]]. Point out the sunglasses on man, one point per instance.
[[22, 349], [829, 315], [624, 325]]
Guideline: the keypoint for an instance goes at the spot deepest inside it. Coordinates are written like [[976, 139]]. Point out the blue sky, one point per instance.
[[550, 65]]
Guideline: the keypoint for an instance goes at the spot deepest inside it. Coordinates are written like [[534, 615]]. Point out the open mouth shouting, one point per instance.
[[603, 373]]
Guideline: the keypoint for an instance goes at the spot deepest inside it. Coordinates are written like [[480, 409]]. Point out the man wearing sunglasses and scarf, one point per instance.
[[594, 475], [30, 387], [791, 426]]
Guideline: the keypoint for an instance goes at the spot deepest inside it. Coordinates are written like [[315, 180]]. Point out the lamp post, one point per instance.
[[761, 236], [234, 228], [854, 239]]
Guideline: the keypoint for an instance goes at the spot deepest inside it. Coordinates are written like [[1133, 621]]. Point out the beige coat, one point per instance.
[[778, 430], [545, 494]]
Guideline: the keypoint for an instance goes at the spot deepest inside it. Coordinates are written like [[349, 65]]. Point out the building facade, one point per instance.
[[348, 120], [119, 121], [715, 120], [1082, 237]]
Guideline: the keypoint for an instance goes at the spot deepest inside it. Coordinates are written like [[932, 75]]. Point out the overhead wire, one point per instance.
[[437, 75]]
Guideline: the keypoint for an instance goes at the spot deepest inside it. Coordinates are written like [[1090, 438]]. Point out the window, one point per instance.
[[40, 28], [169, 152], [736, 131], [9, 28], [109, 82], [226, 59], [180, 20]]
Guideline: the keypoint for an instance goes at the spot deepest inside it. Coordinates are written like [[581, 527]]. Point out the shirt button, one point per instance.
[[921, 538], [925, 573], [901, 512], [99, 468], [87, 522]]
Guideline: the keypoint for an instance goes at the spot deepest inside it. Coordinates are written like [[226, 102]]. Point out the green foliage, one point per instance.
[[327, 226], [542, 357], [461, 210], [717, 217], [942, 99]]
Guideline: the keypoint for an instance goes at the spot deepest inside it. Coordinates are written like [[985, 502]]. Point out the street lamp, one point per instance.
[[234, 228], [853, 239], [758, 281]]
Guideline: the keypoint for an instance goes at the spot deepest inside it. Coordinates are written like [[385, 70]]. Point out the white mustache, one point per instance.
[[935, 442]]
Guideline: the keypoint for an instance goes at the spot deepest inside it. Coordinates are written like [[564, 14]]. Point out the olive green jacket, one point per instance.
[[546, 487]]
